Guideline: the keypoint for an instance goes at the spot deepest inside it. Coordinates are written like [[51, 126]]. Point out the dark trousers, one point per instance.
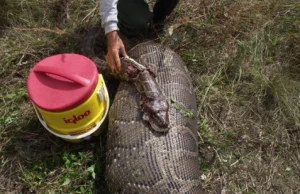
[[163, 8], [134, 15]]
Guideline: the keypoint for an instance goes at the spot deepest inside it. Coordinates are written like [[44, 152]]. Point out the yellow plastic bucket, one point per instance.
[[81, 100]]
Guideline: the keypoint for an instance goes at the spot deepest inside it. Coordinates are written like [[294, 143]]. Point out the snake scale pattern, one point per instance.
[[139, 159]]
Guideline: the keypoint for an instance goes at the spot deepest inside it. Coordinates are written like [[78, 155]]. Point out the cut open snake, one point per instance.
[[140, 159]]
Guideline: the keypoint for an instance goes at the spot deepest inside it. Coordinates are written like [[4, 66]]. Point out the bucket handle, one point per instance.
[[62, 73]]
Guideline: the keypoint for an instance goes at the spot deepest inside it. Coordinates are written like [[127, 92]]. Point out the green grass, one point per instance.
[[244, 61]]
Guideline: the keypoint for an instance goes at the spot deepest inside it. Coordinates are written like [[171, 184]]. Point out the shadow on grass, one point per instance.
[[37, 161], [3, 16]]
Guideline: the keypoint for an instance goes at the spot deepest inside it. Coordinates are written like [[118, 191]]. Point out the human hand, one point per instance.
[[115, 48]]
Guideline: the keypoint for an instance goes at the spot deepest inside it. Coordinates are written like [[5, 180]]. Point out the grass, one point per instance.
[[244, 60]]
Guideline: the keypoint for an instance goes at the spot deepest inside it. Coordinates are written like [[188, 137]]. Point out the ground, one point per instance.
[[244, 59]]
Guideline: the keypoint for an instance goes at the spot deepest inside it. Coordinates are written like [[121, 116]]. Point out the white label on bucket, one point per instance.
[[100, 94]]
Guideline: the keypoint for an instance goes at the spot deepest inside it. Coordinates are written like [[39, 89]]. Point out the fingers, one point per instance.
[[117, 57], [117, 61], [110, 62], [113, 60], [115, 49], [123, 51]]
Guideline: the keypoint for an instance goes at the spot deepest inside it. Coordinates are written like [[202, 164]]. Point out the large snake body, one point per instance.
[[140, 159]]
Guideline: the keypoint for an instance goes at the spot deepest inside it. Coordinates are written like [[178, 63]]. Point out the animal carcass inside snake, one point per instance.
[[153, 102]]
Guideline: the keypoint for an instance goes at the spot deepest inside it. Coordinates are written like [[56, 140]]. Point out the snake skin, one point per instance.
[[141, 160]]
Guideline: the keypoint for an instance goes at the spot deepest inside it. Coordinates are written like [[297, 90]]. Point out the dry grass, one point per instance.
[[244, 60], [33, 161]]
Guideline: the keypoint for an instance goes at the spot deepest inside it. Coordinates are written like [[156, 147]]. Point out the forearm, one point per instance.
[[109, 15]]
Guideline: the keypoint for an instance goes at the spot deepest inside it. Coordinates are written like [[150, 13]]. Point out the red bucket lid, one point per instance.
[[62, 82]]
